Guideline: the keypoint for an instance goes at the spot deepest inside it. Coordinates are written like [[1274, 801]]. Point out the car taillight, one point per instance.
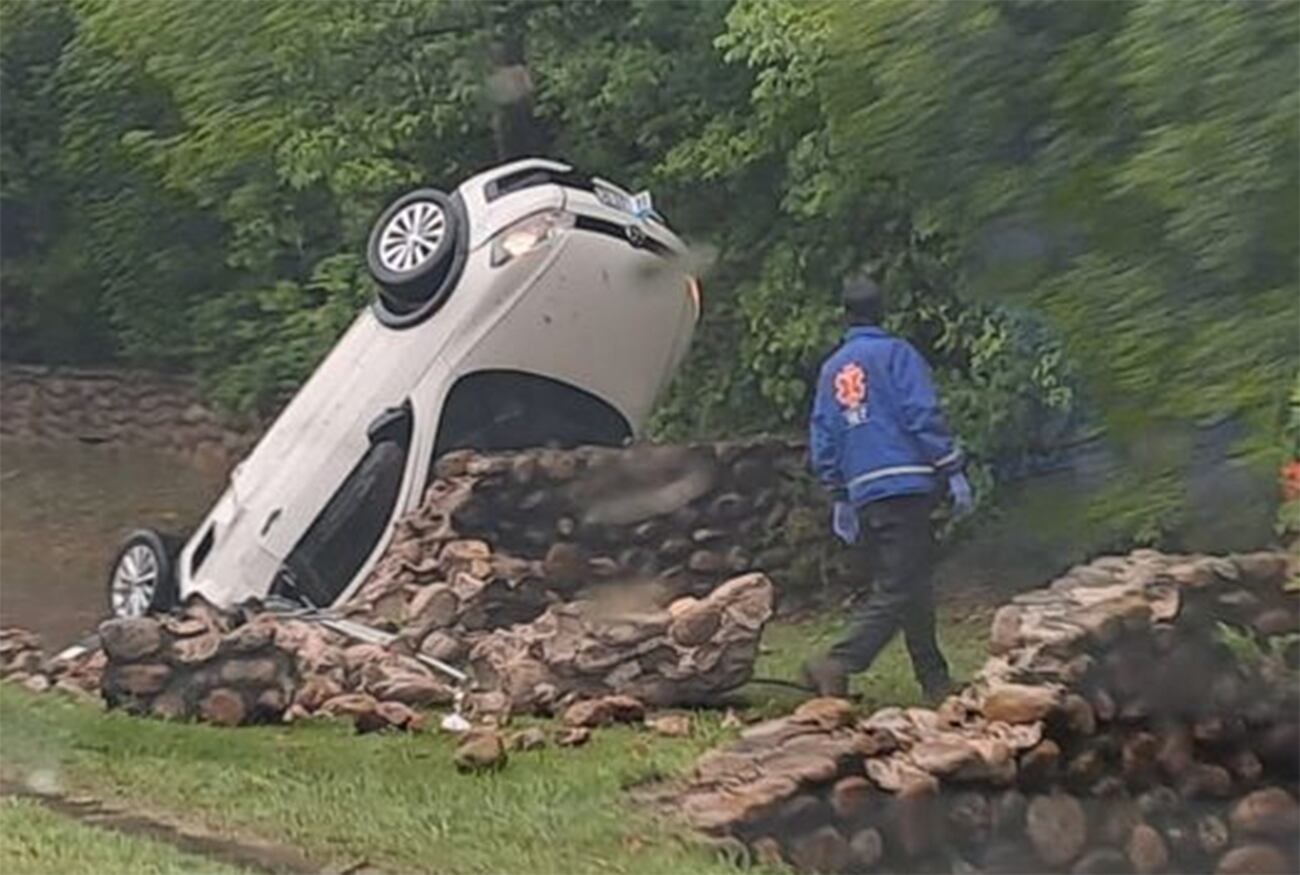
[[693, 289], [528, 234]]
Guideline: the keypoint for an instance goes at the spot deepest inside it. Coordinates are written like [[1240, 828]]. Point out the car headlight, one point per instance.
[[528, 234]]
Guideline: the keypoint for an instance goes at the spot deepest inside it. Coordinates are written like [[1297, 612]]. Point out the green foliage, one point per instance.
[[1129, 170], [1079, 210], [807, 223], [49, 303]]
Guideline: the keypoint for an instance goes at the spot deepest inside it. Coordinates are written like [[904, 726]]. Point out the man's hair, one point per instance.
[[864, 302]]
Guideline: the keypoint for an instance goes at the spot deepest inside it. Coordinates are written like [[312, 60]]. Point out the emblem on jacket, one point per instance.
[[851, 392]]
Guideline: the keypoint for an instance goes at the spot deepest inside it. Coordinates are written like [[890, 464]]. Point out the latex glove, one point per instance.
[[844, 522], [960, 492]]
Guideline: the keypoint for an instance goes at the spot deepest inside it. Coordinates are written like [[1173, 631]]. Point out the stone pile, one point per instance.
[[233, 668], [240, 666], [500, 538], [1113, 730], [686, 654], [20, 654], [23, 662]]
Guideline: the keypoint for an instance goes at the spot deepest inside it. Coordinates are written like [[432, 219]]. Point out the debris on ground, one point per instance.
[[573, 737], [481, 750], [532, 738], [670, 725], [604, 711]]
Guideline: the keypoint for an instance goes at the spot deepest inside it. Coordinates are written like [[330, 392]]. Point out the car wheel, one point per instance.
[[415, 250], [143, 576]]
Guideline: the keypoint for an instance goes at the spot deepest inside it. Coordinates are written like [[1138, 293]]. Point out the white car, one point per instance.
[[531, 306]]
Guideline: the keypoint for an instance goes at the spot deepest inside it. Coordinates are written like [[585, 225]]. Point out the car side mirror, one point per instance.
[[392, 424]]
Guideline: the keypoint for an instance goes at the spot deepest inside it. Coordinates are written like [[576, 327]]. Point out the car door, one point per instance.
[[351, 524]]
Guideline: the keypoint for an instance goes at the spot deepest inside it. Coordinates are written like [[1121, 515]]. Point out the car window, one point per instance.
[[510, 410], [341, 538]]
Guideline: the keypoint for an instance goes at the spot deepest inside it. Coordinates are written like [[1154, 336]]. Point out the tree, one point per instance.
[[1129, 170], [807, 223], [49, 301]]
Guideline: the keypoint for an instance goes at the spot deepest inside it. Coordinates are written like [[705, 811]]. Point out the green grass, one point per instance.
[[395, 801], [34, 841], [963, 636]]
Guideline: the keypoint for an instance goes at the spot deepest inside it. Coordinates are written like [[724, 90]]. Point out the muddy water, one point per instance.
[[63, 511]]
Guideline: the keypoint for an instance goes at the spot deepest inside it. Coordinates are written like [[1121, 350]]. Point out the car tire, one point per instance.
[[142, 578], [415, 253]]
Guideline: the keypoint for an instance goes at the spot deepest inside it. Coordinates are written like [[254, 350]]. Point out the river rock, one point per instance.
[[575, 736], [532, 738], [671, 725], [249, 671], [867, 848], [140, 679], [444, 646], [410, 688], [1268, 812], [1019, 703], [1057, 827], [197, 648], [604, 711], [223, 706], [1146, 850], [128, 639], [850, 798], [398, 715], [1101, 861], [822, 850], [825, 712], [1253, 859], [480, 751]]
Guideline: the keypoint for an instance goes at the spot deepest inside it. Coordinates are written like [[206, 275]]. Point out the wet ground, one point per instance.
[[63, 511]]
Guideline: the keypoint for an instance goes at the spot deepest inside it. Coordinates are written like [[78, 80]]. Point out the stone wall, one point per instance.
[[130, 408], [1113, 730], [653, 523]]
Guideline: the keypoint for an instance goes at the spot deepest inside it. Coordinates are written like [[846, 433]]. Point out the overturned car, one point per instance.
[[531, 306]]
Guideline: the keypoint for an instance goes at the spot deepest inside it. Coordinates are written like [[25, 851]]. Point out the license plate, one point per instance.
[[642, 203], [639, 204]]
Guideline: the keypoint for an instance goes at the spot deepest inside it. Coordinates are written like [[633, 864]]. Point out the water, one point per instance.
[[65, 508]]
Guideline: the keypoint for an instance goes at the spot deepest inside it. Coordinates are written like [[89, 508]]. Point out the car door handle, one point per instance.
[[270, 520]]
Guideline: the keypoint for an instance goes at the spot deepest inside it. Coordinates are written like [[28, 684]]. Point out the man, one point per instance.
[[880, 445]]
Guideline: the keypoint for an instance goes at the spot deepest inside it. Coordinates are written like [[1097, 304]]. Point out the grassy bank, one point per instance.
[[395, 801], [34, 841]]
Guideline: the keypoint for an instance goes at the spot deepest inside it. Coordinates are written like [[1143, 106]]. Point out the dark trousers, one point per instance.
[[898, 543]]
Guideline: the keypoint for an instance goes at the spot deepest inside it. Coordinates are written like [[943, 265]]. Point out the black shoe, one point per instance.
[[827, 677], [935, 692]]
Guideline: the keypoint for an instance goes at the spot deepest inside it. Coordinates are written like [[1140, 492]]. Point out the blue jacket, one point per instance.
[[877, 430]]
